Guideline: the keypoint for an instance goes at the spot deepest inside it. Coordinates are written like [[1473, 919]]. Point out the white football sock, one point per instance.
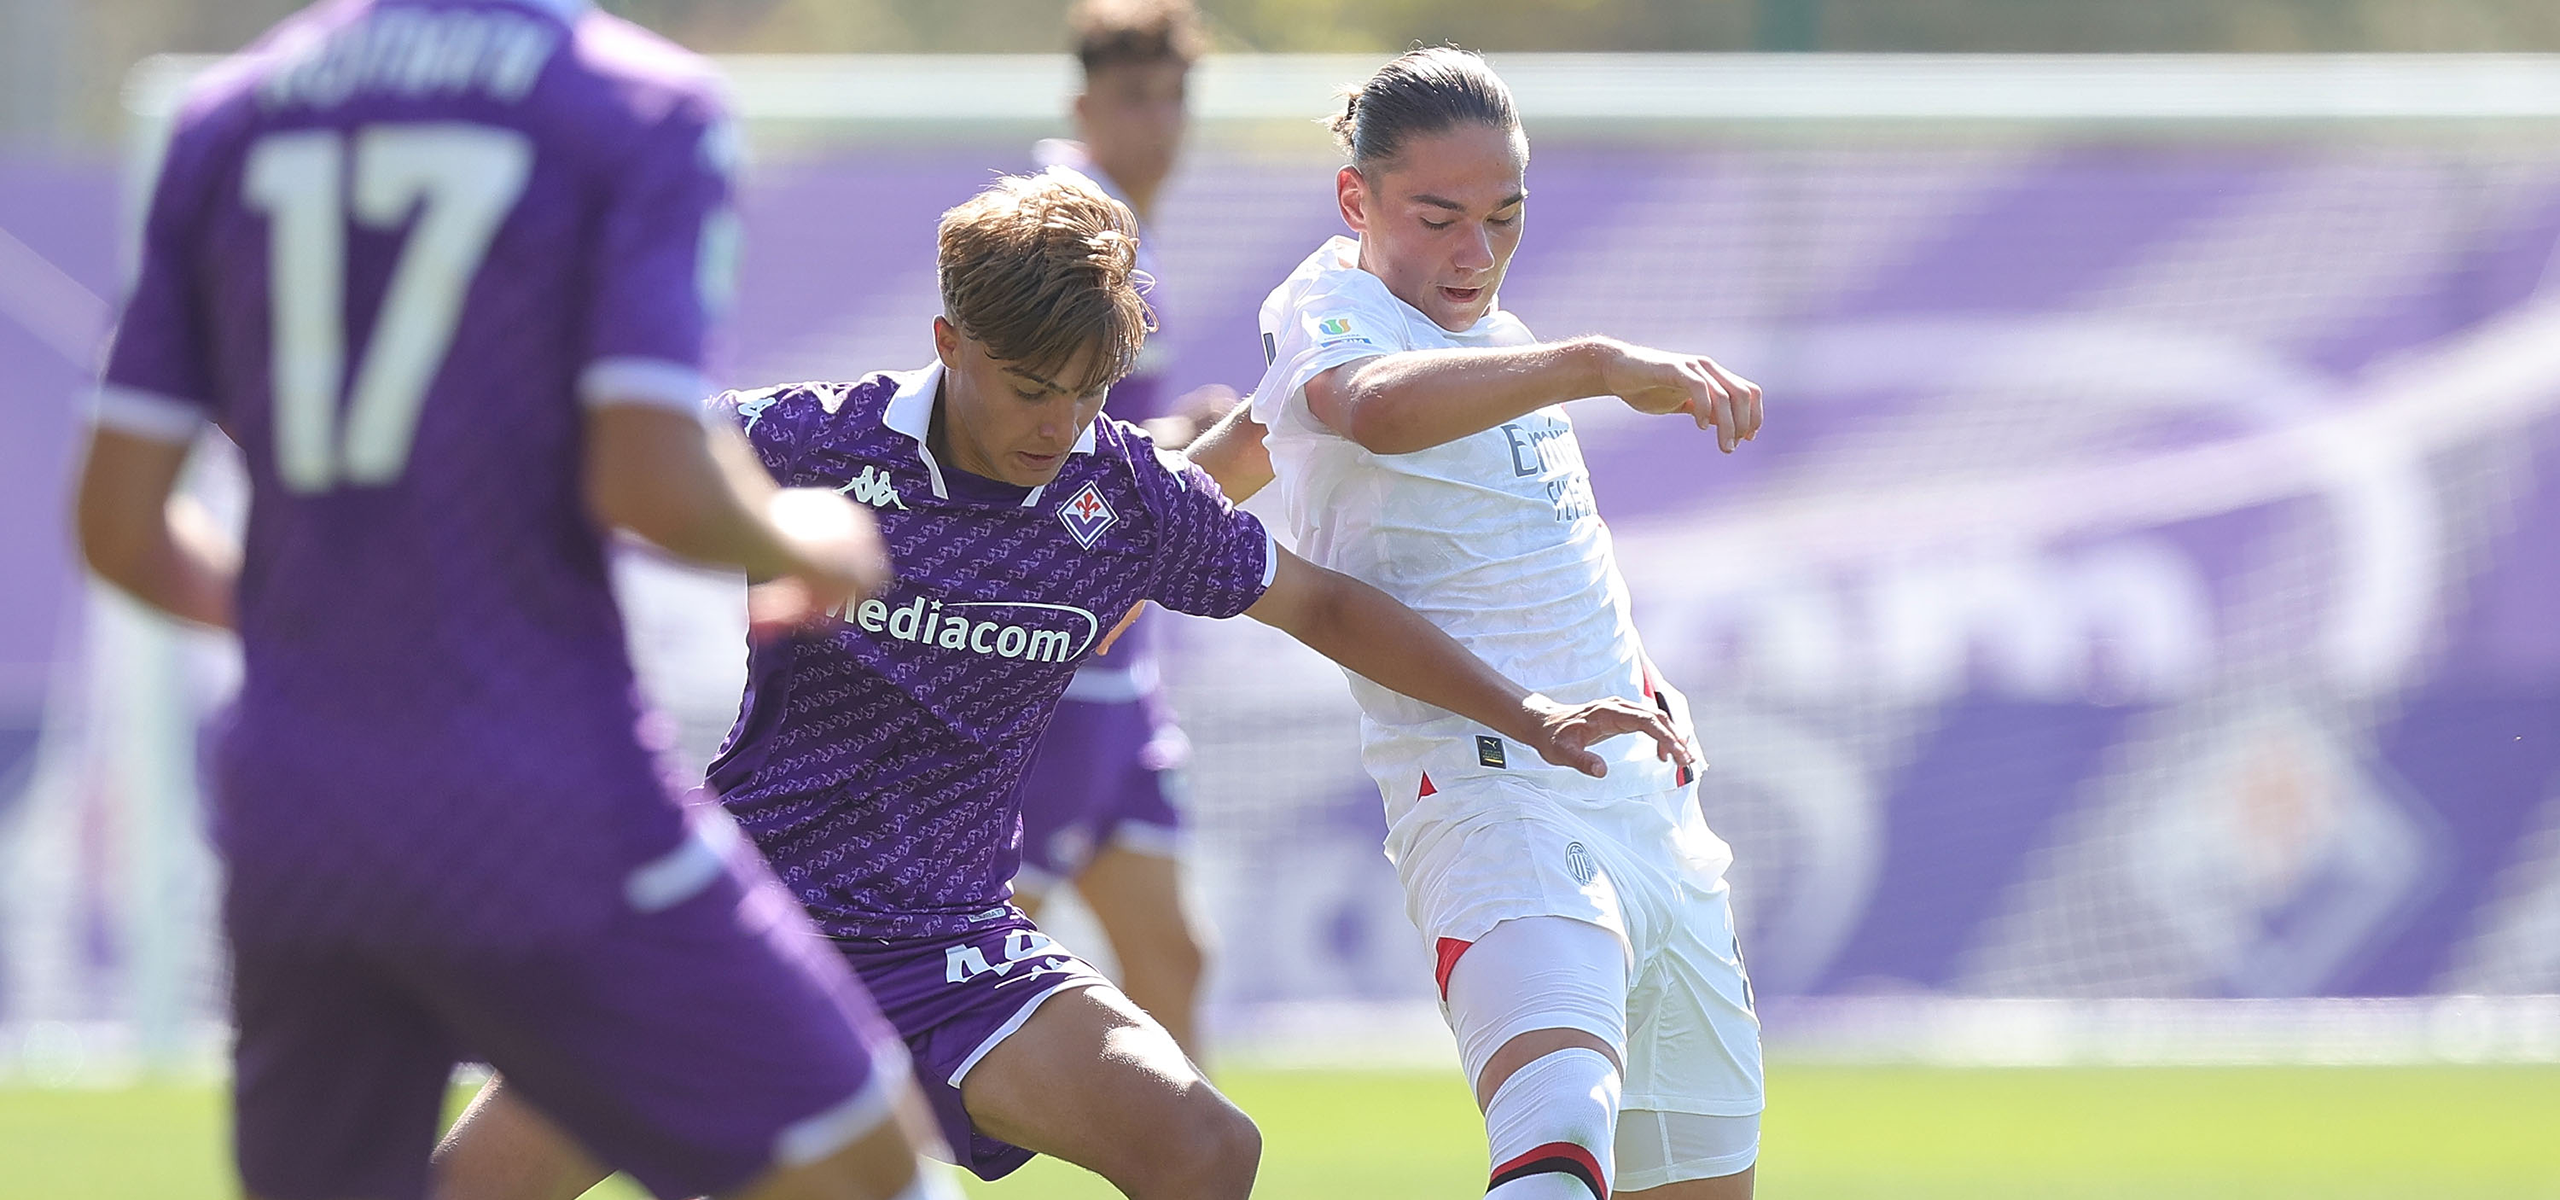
[[1551, 1127]]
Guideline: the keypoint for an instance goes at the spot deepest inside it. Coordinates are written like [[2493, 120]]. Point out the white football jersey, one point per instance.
[[1492, 537]]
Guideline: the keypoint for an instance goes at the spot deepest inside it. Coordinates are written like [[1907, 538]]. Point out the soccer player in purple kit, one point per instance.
[[877, 757], [440, 268], [1099, 808]]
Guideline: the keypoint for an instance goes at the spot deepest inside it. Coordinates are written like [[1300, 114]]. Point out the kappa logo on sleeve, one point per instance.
[[1086, 514]]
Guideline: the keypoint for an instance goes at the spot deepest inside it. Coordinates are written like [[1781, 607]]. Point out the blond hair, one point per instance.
[[1039, 268]]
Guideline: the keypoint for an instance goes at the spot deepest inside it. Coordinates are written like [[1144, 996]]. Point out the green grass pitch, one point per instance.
[[2337, 1133]]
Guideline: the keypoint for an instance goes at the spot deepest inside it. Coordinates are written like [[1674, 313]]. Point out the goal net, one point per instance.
[[2131, 639]]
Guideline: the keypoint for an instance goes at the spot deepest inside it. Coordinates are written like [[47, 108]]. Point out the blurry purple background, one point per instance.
[[2058, 637]]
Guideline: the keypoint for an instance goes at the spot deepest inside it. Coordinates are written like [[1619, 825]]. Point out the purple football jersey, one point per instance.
[[877, 759], [392, 249]]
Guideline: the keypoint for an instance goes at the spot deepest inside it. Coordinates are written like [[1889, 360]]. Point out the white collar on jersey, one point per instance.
[[910, 412]]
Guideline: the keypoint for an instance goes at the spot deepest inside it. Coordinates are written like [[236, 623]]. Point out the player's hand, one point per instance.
[[1121, 628], [836, 554], [1565, 732], [1675, 705], [1654, 381]]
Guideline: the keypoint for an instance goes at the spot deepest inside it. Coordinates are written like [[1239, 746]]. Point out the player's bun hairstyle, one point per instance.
[[1113, 32], [1419, 93], [1040, 267]]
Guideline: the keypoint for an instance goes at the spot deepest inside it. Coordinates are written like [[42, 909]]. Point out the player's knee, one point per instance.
[[1232, 1145], [1180, 958], [1226, 1144], [1214, 1153], [1163, 973]]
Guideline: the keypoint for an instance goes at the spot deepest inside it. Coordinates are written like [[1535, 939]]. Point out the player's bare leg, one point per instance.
[[503, 1148], [1137, 897], [882, 1164], [1093, 1080]]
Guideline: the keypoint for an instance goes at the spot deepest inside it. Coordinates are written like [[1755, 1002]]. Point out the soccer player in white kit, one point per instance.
[[1587, 958]]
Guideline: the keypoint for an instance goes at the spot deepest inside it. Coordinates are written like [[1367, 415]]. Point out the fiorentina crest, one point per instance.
[[1086, 514]]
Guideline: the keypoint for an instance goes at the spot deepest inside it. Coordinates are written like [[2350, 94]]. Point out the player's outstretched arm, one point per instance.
[[1233, 454], [137, 533], [1194, 413], [698, 492], [1367, 631], [1416, 399]]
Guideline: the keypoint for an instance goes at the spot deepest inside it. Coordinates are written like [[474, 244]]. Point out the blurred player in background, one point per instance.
[[441, 270], [1098, 806], [1587, 956], [878, 756]]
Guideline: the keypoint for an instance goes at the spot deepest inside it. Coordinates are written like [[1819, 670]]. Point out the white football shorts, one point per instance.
[[1645, 868]]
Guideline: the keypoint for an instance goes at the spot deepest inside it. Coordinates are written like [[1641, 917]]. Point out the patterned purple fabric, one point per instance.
[[436, 729], [877, 760]]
